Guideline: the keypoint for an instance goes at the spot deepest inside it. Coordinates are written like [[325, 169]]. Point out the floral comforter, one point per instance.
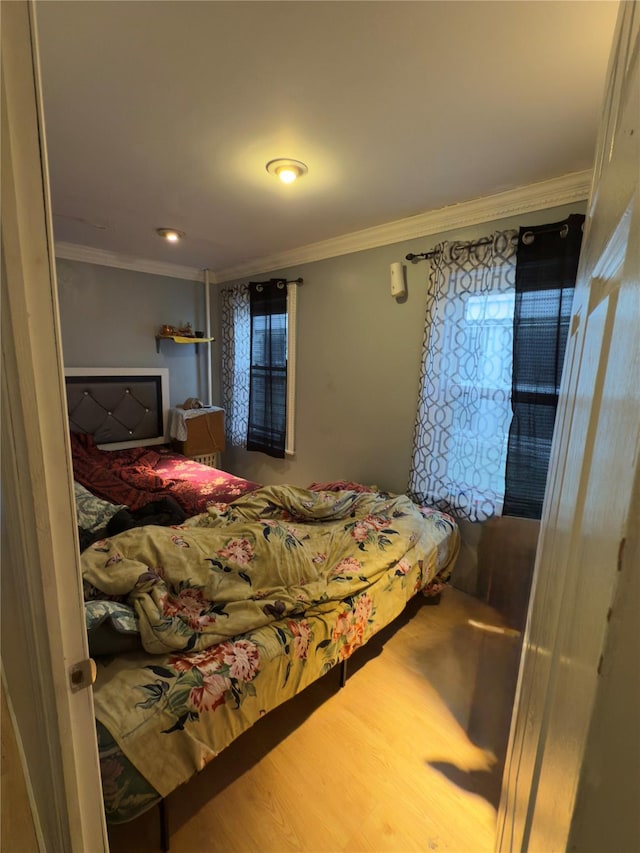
[[243, 607]]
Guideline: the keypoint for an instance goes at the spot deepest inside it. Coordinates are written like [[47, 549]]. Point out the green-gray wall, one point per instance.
[[110, 317]]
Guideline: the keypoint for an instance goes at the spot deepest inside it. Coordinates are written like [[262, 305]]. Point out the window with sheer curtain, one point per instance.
[[464, 410], [496, 328]]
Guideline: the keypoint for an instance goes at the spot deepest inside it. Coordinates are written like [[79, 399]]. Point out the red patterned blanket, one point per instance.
[[139, 475]]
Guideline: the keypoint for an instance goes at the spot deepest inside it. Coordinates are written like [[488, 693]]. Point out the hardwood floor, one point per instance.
[[408, 756], [17, 830]]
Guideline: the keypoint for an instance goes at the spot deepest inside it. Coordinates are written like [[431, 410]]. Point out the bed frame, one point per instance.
[[163, 805], [120, 407]]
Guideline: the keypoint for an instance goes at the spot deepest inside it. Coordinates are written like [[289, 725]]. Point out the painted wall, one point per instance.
[[110, 317], [358, 363]]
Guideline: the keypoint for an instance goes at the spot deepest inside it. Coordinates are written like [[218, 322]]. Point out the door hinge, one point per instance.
[[82, 674]]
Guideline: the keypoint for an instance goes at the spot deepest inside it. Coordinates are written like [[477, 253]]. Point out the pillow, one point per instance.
[[112, 628], [92, 512]]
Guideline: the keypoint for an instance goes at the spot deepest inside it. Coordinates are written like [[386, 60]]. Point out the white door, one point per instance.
[[43, 636], [583, 576]]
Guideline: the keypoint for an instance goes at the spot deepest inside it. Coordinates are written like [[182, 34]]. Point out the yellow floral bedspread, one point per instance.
[[244, 606]]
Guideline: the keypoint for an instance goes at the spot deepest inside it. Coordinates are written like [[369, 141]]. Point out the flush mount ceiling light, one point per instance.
[[286, 170], [172, 235]]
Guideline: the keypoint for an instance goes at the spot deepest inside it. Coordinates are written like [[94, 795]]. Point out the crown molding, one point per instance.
[[544, 194], [106, 258]]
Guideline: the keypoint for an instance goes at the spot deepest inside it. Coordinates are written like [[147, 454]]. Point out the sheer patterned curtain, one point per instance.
[[235, 355], [464, 407]]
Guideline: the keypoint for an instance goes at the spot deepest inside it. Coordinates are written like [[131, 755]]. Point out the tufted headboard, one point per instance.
[[120, 407]]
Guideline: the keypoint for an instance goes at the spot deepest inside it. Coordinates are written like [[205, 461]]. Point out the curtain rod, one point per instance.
[[416, 256], [299, 280], [527, 238]]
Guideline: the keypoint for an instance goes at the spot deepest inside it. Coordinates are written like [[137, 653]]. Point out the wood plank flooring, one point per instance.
[[17, 830], [408, 756]]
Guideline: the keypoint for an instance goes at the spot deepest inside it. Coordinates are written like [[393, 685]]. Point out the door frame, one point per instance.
[[42, 602]]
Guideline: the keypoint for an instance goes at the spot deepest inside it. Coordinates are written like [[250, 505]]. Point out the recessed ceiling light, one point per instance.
[[286, 170], [170, 234]]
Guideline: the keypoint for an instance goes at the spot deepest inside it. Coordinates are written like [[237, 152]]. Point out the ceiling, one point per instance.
[[166, 113]]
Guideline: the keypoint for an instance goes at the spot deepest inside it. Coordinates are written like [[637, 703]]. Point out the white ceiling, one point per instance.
[[165, 114]]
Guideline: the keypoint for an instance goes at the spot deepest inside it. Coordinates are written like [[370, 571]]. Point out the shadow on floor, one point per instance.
[[487, 719], [484, 783]]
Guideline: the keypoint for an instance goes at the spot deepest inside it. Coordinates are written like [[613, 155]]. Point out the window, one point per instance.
[[258, 365], [545, 281], [497, 322], [482, 389], [268, 369], [464, 410]]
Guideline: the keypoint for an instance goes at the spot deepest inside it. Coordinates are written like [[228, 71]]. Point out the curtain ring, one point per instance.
[[500, 242], [482, 250], [564, 231], [259, 288], [456, 251], [528, 238], [281, 284]]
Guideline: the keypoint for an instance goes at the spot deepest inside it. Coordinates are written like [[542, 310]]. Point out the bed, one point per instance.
[[137, 476], [120, 448], [201, 628]]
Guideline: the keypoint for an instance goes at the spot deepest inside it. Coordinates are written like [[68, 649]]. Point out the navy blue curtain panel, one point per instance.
[[266, 430], [546, 268]]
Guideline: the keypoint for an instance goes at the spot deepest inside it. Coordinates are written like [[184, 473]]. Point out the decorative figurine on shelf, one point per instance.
[[186, 331]]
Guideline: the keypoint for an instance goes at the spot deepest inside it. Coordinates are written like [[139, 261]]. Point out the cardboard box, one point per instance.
[[205, 434]]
